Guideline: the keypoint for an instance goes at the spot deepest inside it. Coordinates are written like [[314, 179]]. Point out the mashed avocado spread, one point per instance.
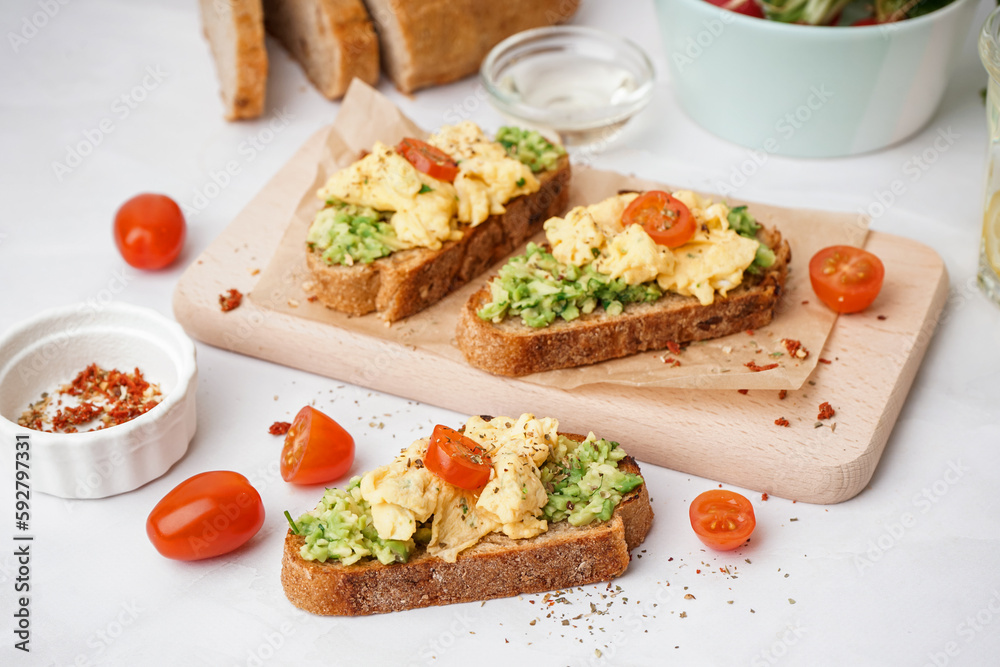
[[583, 480], [340, 527], [577, 482], [539, 288], [530, 147], [349, 234]]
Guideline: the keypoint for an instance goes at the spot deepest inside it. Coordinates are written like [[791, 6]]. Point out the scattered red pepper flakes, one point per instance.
[[882, 317], [824, 361], [781, 421], [782, 394], [109, 397], [757, 369], [806, 302], [230, 300], [673, 363], [825, 411], [750, 332], [764, 496], [743, 391], [279, 428], [673, 347], [795, 348], [312, 298]]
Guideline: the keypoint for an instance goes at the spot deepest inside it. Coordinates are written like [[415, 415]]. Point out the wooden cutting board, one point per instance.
[[721, 435]]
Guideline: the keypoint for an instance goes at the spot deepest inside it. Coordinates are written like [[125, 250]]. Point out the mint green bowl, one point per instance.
[[808, 91]]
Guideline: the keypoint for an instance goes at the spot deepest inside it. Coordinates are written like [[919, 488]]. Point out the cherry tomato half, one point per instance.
[[457, 459], [317, 449], [722, 519], [428, 159], [845, 278], [666, 219], [149, 231], [747, 7], [206, 515]]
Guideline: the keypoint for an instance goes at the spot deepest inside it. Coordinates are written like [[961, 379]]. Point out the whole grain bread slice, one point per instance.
[[496, 567], [513, 349], [408, 281], [333, 40], [235, 32], [432, 42]]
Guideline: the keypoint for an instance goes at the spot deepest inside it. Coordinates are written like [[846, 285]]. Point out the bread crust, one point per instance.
[[432, 42], [497, 566], [408, 281], [512, 348], [333, 40], [235, 33]]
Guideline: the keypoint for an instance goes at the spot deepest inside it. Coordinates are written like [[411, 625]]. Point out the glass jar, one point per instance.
[[989, 249]]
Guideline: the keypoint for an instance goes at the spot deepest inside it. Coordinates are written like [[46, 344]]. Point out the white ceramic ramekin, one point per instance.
[[809, 91], [47, 351]]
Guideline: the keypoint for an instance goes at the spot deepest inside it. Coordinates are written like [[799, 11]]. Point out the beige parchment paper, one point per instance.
[[366, 116]]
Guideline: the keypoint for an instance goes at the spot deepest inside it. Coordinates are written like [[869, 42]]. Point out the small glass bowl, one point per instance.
[[581, 83]]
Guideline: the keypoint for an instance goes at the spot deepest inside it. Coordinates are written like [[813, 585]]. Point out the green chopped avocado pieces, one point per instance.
[[583, 480], [340, 528], [347, 234], [530, 147], [744, 224], [538, 288]]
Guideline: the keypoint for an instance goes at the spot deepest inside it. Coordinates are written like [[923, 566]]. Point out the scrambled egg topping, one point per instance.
[[487, 177], [712, 261], [404, 493], [425, 210]]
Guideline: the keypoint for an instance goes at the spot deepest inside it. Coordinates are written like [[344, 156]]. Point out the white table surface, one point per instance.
[[842, 584]]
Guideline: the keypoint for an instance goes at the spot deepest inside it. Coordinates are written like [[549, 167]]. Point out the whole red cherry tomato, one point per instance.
[[149, 231], [206, 515], [317, 449]]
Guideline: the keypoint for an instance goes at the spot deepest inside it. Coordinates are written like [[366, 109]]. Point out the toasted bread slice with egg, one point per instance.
[[513, 349], [497, 566], [407, 281]]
